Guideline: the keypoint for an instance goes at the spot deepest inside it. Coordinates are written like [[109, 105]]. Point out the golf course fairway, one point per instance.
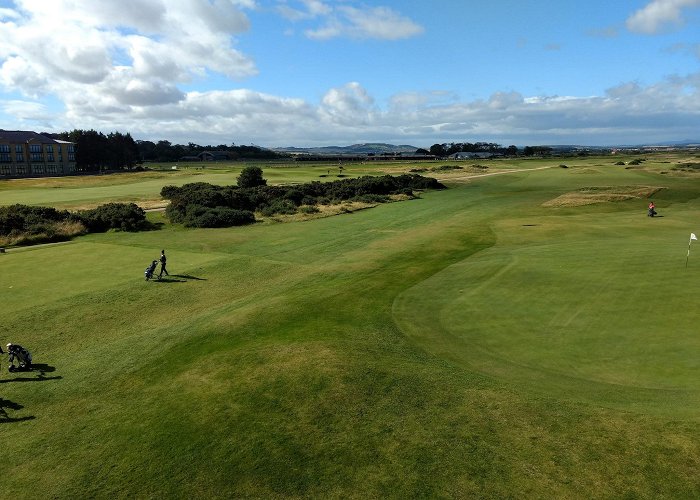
[[530, 334]]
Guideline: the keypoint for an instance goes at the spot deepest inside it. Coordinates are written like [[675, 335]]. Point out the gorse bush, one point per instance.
[[16, 219], [24, 224], [271, 200], [121, 216], [199, 216]]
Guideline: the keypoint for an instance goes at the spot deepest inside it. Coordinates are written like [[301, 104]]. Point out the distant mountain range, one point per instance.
[[378, 148], [371, 147]]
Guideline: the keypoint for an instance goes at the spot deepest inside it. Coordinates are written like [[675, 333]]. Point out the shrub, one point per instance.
[[444, 168], [28, 219], [270, 200], [122, 216], [309, 209], [372, 198], [199, 216], [284, 207]]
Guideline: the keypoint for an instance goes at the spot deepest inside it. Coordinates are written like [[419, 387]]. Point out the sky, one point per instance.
[[278, 73]]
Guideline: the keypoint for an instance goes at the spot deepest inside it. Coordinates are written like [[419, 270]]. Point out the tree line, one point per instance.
[[95, 151], [449, 148]]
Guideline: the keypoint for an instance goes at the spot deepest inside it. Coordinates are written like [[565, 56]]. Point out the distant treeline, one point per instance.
[[165, 151], [206, 205], [95, 151], [450, 148]]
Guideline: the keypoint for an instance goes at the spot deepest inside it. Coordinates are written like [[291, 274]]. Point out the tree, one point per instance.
[[437, 150], [251, 177]]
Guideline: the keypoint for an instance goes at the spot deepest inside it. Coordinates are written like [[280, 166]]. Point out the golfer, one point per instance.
[[162, 264], [652, 211]]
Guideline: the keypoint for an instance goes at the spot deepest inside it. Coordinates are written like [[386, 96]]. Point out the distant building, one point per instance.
[[468, 155], [28, 154]]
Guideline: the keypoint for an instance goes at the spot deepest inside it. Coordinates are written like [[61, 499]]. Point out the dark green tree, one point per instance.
[[251, 177], [437, 150]]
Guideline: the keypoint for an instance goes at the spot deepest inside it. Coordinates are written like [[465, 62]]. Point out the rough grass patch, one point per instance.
[[601, 194]]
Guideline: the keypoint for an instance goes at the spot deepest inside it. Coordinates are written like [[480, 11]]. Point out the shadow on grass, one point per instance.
[[40, 369], [5, 418], [168, 280], [177, 278]]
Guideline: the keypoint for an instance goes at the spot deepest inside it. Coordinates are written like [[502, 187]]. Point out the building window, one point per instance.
[[21, 169], [51, 169], [71, 152], [38, 169], [5, 170], [19, 152], [49, 153], [5, 153], [35, 152]]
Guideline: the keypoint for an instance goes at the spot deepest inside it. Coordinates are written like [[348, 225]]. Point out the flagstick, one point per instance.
[[692, 237]]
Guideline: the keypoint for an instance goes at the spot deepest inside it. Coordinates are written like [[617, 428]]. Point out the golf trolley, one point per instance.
[[150, 271]]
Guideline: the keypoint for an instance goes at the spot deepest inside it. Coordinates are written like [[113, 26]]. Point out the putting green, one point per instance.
[[602, 312]]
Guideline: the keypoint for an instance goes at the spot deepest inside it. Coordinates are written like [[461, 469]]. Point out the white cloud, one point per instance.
[[348, 105], [132, 52], [25, 110], [347, 21], [658, 15], [308, 10]]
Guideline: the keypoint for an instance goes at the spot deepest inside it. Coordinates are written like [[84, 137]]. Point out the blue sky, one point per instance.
[[323, 72]]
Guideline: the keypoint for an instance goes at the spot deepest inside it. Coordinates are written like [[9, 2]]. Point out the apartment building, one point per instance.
[[28, 154]]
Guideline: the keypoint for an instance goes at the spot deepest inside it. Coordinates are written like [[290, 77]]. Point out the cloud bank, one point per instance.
[[97, 64]]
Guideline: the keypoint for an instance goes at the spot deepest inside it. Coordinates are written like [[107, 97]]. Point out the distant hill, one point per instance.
[[371, 147]]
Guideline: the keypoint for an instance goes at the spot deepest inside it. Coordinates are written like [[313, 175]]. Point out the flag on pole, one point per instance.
[[692, 237]]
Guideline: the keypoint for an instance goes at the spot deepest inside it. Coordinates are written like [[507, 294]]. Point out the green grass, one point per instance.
[[144, 187], [471, 343]]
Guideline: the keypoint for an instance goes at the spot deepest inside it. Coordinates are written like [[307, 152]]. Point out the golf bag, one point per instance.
[[24, 358], [150, 270]]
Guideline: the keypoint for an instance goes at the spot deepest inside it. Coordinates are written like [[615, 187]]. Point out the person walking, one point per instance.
[[162, 264]]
